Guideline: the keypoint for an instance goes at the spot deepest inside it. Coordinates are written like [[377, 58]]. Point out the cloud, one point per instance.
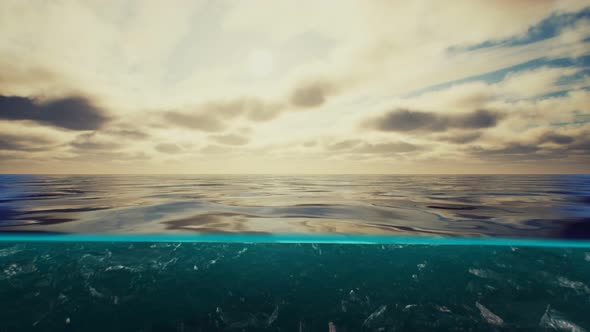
[[309, 144], [203, 122], [215, 149], [358, 146], [91, 141], [344, 145], [128, 133], [230, 139], [386, 148], [460, 138], [100, 156], [168, 148], [403, 120], [508, 149], [24, 143], [311, 94], [556, 138], [548, 145], [73, 113], [253, 108], [186, 84], [214, 116]]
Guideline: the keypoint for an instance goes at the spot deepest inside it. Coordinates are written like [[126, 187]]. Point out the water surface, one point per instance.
[[524, 206]]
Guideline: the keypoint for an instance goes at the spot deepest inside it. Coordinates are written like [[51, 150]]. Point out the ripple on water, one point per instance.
[[506, 206]]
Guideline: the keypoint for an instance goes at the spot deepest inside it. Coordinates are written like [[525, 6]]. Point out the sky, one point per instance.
[[298, 87]]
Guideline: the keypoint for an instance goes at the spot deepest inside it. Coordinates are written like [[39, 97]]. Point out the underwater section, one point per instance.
[[176, 286]]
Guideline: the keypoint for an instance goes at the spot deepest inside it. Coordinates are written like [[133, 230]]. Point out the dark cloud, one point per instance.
[[311, 94], [475, 120], [74, 113], [23, 143], [509, 149], [510, 152], [573, 145], [230, 139], [570, 143], [581, 145], [129, 133], [556, 138], [168, 148], [91, 141], [403, 120]]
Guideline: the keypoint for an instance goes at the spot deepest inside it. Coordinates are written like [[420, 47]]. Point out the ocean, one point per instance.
[[513, 206], [295, 253]]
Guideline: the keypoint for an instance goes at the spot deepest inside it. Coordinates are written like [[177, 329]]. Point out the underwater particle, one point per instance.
[[273, 316], [331, 327], [317, 248], [12, 270], [489, 316], [484, 274], [443, 309], [376, 314], [553, 319], [94, 292], [9, 251], [577, 286], [409, 306]]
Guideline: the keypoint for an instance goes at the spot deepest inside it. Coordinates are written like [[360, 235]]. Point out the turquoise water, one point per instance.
[[294, 253], [174, 286]]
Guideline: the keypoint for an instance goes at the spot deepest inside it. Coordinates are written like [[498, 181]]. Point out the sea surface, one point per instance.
[[513, 206], [295, 253]]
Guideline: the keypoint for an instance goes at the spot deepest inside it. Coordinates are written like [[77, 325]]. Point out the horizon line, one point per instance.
[[270, 173]]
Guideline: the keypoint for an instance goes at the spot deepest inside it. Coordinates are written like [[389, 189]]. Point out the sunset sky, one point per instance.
[[295, 86]]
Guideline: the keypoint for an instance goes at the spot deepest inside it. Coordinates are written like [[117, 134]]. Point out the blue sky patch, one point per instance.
[[549, 27]]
